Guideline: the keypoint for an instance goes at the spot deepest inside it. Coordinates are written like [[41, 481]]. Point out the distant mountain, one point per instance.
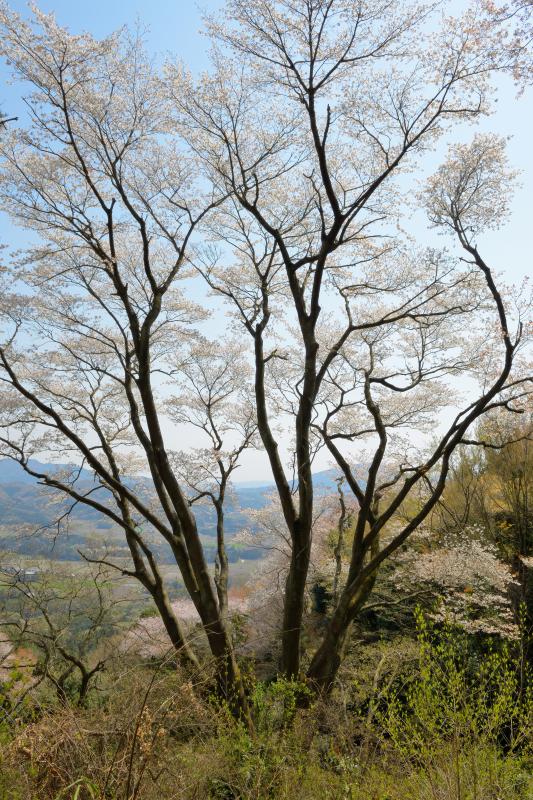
[[250, 494], [254, 484], [25, 502], [12, 472]]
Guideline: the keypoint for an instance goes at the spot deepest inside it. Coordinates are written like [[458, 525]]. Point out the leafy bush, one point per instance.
[[463, 719]]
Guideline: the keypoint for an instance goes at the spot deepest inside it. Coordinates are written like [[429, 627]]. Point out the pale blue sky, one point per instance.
[[174, 26]]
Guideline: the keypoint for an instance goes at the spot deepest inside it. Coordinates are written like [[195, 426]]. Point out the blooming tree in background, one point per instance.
[[216, 401], [465, 572]]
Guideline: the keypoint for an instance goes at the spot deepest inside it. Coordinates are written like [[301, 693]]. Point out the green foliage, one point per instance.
[[148, 612], [275, 704], [464, 717], [458, 693]]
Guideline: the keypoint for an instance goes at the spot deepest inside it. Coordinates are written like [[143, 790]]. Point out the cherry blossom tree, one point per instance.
[[282, 176], [511, 27], [473, 585], [215, 399], [94, 314], [311, 119]]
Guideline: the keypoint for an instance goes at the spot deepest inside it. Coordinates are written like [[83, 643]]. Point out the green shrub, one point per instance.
[[463, 720]]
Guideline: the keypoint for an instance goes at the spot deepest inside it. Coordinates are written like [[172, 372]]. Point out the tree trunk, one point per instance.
[[293, 608], [328, 658], [84, 686], [342, 525], [301, 533], [172, 626], [228, 675], [221, 563]]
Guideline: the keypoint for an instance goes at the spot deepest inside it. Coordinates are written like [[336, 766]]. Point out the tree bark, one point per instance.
[[172, 626], [328, 658], [221, 563], [342, 525], [293, 608]]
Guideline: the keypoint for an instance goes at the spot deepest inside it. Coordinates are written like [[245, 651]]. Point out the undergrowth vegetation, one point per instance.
[[436, 718]]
